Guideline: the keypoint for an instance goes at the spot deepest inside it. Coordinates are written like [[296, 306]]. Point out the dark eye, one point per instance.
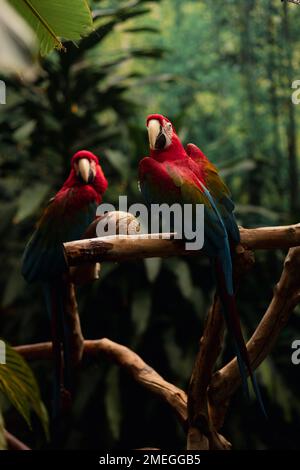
[[160, 129]]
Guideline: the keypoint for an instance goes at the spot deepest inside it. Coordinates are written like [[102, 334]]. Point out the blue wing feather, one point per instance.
[[43, 258]]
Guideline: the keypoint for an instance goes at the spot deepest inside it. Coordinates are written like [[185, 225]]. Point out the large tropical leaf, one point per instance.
[[55, 19], [17, 43], [113, 402], [19, 385], [2, 435], [30, 200]]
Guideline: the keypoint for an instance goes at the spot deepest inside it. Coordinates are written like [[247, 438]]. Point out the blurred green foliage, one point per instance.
[[19, 386], [223, 75]]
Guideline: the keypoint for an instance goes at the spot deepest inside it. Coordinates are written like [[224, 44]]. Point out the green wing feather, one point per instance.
[[43, 257], [218, 190], [175, 182]]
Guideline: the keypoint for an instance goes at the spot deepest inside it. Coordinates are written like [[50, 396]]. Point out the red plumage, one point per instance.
[[173, 174], [66, 218], [84, 193]]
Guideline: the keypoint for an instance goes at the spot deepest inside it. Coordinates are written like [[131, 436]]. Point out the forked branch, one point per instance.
[[209, 392], [130, 361], [286, 297]]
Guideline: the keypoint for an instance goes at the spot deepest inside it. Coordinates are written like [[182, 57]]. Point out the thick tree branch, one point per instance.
[[122, 248], [209, 393], [206, 412], [130, 361], [128, 247], [202, 432], [286, 297], [270, 238], [120, 223], [13, 443], [73, 321]]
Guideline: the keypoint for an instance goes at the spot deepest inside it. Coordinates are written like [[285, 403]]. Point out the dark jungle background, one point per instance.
[[222, 72]]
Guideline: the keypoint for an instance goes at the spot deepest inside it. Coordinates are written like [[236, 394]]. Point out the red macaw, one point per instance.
[[66, 218], [173, 174]]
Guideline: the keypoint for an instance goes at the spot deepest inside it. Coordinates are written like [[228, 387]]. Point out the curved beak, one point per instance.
[[84, 169], [154, 130]]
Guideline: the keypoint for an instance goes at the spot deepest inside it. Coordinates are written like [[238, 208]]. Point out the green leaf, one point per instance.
[[180, 363], [2, 436], [113, 402], [278, 389], [198, 302], [183, 275], [19, 385], [7, 211], [30, 200], [258, 210], [24, 131], [152, 266], [51, 20], [118, 161], [237, 168], [14, 285], [141, 309]]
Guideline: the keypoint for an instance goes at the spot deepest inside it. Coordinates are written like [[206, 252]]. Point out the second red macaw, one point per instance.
[[66, 218], [173, 174]]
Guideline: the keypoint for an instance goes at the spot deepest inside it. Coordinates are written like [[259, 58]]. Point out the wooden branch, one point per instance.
[[130, 361], [201, 434], [71, 314], [131, 247], [286, 297], [270, 238], [209, 393], [13, 443], [122, 248], [124, 223], [85, 273]]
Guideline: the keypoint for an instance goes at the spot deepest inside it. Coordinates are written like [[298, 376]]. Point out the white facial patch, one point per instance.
[[168, 131], [93, 166]]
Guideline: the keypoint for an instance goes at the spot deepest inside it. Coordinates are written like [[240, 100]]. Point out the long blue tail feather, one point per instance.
[[223, 272], [233, 324], [53, 294]]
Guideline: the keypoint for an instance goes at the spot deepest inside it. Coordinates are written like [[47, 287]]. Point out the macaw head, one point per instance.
[[84, 164], [86, 171], [160, 131]]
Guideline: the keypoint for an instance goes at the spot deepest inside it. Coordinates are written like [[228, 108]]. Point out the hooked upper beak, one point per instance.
[[84, 170], [157, 138], [153, 132]]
